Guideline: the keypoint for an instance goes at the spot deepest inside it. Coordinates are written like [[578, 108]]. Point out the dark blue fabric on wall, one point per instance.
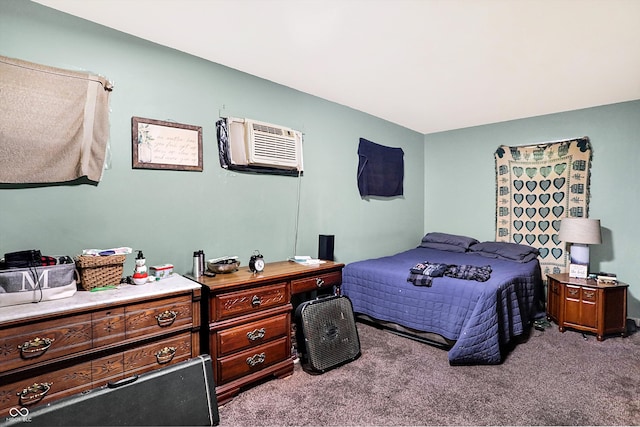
[[380, 170]]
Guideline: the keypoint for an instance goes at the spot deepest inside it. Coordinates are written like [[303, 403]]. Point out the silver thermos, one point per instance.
[[196, 264]]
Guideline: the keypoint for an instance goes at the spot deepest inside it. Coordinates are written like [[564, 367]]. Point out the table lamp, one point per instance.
[[580, 232]]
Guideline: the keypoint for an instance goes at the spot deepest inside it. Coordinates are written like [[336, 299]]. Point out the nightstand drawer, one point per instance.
[[313, 283], [573, 292], [233, 304], [252, 360], [252, 334], [158, 317], [29, 344], [589, 295]]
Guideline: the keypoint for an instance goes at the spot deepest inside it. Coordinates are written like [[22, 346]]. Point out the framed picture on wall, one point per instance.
[[157, 144]]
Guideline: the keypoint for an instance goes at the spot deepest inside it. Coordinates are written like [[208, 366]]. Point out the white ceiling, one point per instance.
[[428, 65]]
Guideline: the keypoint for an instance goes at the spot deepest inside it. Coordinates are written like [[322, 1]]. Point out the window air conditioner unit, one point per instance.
[[258, 145], [272, 146]]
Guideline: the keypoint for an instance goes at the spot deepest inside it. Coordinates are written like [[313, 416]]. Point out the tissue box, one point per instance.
[[161, 271]]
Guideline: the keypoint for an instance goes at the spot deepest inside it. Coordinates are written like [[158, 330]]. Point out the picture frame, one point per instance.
[[158, 144], [578, 271]]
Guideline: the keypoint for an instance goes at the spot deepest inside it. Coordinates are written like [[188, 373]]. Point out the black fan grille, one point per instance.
[[330, 333]]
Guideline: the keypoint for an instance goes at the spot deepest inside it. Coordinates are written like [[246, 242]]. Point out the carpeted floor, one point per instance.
[[552, 379]]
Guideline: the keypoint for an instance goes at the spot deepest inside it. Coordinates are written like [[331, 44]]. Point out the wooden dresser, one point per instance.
[[57, 348], [249, 318], [585, 305]]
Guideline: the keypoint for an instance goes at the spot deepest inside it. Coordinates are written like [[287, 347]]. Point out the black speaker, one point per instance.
[[326, 333], [325, 246], [180, 394]]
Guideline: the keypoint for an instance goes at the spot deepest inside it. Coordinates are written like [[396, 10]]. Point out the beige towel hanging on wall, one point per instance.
[[54, 123]]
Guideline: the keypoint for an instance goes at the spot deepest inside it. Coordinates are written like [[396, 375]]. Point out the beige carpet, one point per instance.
[[552, 379]]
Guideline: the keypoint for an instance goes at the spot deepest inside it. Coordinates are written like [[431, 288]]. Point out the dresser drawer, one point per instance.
[[29, 344], [157, 354], [252, 334], [160, 316], [108, 326], [45, 388], [59, 383], [252, 360], [233, 304], [313, 283], [107, 369]]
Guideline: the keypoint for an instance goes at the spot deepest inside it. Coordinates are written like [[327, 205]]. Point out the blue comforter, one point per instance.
[[480, 316]]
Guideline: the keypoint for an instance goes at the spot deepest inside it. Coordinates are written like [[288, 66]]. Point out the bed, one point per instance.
[[477, 320]]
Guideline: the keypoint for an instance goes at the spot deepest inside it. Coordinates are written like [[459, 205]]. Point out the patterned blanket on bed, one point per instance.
[[423, 273]]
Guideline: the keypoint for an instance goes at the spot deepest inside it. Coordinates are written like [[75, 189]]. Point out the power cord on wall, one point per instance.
[[295, 237]]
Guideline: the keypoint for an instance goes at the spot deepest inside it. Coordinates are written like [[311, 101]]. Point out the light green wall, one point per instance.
[[169, 214], [460, 170], [449, 176]]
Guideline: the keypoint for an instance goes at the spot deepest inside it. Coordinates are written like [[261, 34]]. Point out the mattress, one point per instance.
[[481, 317]]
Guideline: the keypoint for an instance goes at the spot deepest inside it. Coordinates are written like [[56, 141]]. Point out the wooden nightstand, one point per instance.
[[585, 305]]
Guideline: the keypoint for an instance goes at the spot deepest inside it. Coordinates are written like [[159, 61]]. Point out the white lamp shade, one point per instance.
[[580, 230]]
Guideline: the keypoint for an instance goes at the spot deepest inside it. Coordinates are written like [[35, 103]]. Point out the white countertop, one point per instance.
[[86, 299]]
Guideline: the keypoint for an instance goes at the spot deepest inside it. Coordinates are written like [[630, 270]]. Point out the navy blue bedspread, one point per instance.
[[480, 316]]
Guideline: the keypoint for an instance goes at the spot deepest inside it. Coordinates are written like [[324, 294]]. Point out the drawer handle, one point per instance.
[[589, 294], [256, 359], [256, 334], [165, 355], [319, 282], [573, 292], [166, 318], [256, 301], [34, 393], [36, 347]]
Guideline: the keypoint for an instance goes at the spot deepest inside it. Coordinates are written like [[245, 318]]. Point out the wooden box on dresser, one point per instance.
[[249, 318], [53, 349], [585, 305]]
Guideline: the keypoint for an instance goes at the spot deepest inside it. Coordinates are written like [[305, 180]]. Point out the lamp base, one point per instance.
[[579, 267]]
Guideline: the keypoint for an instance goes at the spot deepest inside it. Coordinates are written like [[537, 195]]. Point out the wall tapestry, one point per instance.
[[54, 123], [537, 186]]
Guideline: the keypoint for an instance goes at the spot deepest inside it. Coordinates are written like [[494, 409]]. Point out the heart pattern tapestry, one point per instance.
[[537, 186]]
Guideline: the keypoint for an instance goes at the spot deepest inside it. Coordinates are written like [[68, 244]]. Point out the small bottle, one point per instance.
[[196, 264]]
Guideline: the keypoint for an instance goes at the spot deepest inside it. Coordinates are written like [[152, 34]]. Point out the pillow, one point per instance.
[[505, 250], [524, 259], [450, 239], [442, 247]]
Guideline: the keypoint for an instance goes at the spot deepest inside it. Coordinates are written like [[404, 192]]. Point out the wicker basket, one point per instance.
[[100, 270]]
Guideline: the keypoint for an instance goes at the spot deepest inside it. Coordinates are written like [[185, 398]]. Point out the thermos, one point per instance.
[[196, 264], [201, 261]]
